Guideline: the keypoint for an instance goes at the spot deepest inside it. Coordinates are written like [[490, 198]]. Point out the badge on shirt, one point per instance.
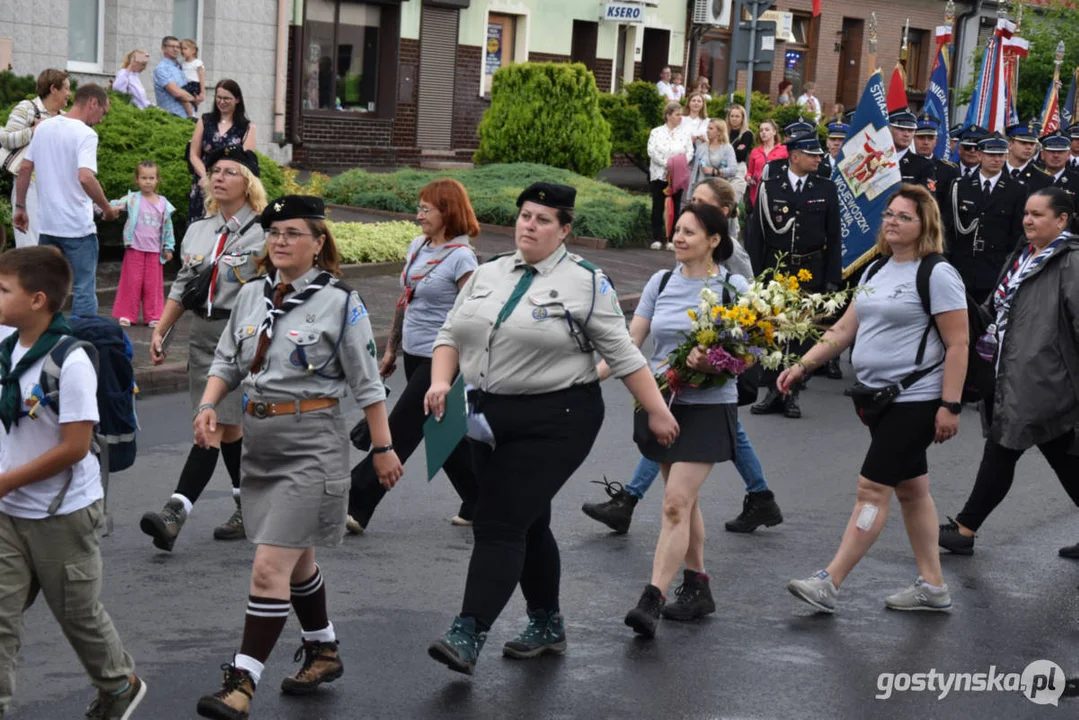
[[357, 313], [303, 338], [539, 313], [604, 286], [371, 348]]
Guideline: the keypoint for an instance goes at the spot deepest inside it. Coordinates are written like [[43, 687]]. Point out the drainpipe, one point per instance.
[[280, 72]]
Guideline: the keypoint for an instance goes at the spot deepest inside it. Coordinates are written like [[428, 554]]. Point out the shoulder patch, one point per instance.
[[357, 312]]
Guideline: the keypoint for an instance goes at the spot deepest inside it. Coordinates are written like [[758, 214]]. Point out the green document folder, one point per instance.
[[442, 437]]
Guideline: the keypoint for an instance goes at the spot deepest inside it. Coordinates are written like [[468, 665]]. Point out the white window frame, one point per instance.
[[199, 11], [98, 66], [520, 38]]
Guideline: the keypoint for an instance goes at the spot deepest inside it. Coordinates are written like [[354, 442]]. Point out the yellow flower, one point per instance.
[[804, 275], [692, 315], [792, 284], [707, 338], [716, 312]]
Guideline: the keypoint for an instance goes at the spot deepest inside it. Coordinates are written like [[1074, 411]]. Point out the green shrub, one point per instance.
[[602, 210], [545, 113], [760, 109], [128, 135], [632, 113], [373, 242], [787, 114], [5, 219], [645, 97]]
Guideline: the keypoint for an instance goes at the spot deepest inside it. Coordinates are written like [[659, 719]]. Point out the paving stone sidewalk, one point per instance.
[[378, 284]]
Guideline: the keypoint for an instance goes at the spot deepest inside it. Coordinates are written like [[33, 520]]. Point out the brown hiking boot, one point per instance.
[[164, 527], [233, 700], [321, 664], [233, 528]]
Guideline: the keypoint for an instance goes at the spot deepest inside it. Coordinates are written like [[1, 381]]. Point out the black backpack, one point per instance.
[[749, 381], [978, 384]]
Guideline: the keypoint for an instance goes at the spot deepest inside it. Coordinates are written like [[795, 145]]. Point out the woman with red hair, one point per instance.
[[438, 264]]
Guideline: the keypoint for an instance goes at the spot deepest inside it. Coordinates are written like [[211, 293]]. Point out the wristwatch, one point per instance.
[[953, 407]]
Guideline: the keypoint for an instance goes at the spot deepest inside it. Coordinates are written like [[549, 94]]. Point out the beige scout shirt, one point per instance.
[[533, 351], [304, 359], [238, 259]]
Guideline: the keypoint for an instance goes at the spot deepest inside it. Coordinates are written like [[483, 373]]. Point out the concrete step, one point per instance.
[[445, 165]]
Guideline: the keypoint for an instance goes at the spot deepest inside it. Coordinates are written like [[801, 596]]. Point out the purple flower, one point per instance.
[[722, 360]]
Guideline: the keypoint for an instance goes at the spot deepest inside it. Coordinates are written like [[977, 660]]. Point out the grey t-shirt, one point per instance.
[[434, 295], [670, 323], [891, 322]]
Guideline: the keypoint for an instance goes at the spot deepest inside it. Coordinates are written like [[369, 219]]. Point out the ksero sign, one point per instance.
[[623, 13]]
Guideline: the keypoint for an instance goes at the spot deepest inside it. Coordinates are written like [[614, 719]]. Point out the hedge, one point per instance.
[[602, 210], [127, 136], [548, 113], [373, 242]]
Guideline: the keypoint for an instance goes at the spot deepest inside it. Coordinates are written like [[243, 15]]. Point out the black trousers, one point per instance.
[[997, 471], [541, 440], [406, 429], [659, 198]]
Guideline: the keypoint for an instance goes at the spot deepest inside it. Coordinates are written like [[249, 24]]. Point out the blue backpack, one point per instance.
[[110, 351]]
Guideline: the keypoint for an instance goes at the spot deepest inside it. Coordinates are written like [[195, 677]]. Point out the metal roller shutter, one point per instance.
[[438, 63]]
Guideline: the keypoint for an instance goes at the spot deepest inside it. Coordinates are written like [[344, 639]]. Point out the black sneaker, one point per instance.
[[644, 618], [617, 512], [758, 509], [953, 540], [694, 598]]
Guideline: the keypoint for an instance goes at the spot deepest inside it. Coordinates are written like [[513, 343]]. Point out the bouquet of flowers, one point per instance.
[[755, 329]]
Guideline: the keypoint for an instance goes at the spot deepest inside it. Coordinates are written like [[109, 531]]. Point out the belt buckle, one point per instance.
[[796, 259], [979, 245], [260, 410]]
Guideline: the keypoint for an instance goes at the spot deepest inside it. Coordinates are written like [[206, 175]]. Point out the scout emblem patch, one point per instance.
[[371, 348]]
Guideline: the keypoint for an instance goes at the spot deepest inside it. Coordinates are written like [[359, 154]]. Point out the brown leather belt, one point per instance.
[[265, 409]]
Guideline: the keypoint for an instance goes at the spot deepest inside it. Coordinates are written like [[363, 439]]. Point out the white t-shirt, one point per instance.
[[60, 148], [31, 438], [891, 322], [667, 90], [812, 106], [191, 70], [695, 126]]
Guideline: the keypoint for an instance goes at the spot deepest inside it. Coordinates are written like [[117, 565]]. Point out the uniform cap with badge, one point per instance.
[[967, 135], [927, 125], [552, 195], [797, 128], [1056, 141], [1073, 131], [903, 119], [293, 207], [1025, 132], [838, 129], [993, 144], [808, 144], [235, 153]]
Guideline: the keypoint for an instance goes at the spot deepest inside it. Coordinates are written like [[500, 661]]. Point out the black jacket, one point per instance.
[[804, 229], [778, 168], [946, 173], [917, 170], [980, 233], [1032, 176]]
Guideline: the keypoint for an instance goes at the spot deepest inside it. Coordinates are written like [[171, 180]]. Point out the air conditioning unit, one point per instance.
[[712, 12]]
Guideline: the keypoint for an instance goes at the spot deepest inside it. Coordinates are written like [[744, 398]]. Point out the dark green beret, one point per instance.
[[293, 207], [559, 197]]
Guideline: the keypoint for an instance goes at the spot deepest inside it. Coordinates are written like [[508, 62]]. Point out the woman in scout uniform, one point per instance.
[[219, 254], [298, 341], [439, 263], [523, 332]]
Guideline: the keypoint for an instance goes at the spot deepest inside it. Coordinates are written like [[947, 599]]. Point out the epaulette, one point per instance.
[[1043, 172], [495, 257], [947, 162], [590, 267], [338, 283]]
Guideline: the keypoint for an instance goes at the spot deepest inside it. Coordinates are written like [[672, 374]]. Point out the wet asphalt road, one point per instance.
[[762, 655]]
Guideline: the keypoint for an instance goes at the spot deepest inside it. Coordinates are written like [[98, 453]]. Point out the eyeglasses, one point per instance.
[[901, 217], [225, 98], [172, 46], [423, 209], [227, 172], [288, 237]]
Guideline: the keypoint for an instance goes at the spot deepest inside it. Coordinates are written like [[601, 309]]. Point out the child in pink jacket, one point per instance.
[[149, 239]]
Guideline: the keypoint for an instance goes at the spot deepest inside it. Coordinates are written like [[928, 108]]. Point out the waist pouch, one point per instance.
[[869, 402]]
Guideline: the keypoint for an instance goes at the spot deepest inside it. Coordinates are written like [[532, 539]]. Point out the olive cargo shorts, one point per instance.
[[61, 557]]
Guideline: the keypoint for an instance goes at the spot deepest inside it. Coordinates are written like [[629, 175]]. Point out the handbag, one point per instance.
[[11, 160], [198, 290]]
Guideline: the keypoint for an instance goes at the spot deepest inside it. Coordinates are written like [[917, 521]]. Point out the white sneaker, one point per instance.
[[920, 596], [818, 591], [353, 527], [460, 521], [670, 246], [124, 322], [656, 245]]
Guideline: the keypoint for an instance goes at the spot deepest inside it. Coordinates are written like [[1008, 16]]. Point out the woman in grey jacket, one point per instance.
[[1035, 331]]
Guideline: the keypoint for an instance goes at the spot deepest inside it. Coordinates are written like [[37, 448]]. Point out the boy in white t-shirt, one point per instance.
[[51, 502]]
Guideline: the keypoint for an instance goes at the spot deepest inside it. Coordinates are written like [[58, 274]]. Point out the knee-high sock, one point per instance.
[[231, 453], [309, 601], [263, 623], [197, 472]]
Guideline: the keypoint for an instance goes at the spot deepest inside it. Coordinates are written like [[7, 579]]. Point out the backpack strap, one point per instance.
[[874, 268], [663, 282], [925, 271]]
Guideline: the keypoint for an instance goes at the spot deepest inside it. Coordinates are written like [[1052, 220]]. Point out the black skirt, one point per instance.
[[707, 434]]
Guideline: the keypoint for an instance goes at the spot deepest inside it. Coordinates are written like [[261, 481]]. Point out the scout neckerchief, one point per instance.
[[276, 306], [412, 281], [11, 395], [1027, 262]]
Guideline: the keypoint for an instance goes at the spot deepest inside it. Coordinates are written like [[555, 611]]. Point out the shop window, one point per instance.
[[796, 59], [341, 58], [501, 46]]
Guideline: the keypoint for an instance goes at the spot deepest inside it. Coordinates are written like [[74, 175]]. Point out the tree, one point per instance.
[[546, 113], [1044, 28]]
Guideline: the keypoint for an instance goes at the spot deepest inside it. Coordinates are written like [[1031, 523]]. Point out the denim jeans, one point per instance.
[[745, 459], [81, 252]]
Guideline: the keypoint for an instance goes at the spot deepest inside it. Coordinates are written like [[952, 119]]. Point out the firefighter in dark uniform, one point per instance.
[[837, 135], [796, 129], [967, 138], [1055, 152], [925, 144], [1073, 136], [916, 170], [983, 219], [796, 218], [1022, 147]]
